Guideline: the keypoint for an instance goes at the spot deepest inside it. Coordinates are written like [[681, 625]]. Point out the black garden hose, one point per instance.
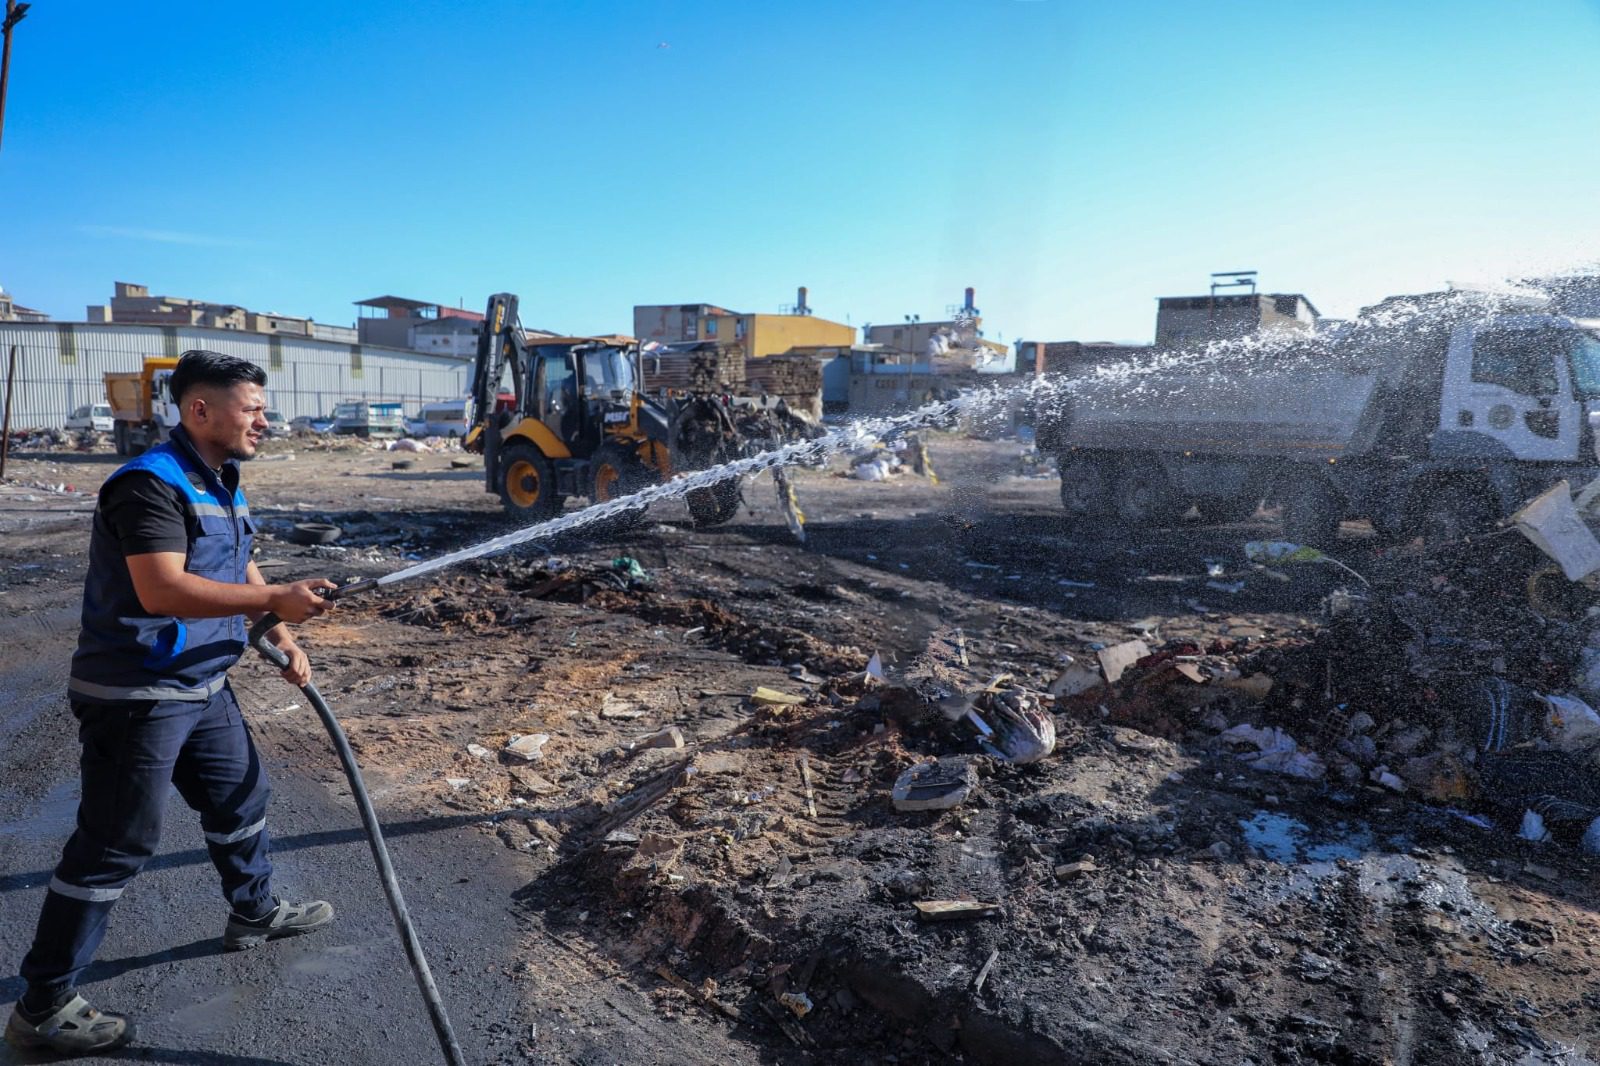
[[369, 819]]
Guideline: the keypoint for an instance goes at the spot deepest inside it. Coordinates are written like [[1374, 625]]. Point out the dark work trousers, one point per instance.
[[131, 752]]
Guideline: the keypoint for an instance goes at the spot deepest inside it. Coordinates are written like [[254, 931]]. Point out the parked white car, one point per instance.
[[447, 419], [95, 416]]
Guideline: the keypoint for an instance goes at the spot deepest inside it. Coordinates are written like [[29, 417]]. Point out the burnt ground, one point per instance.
[[748, 897]]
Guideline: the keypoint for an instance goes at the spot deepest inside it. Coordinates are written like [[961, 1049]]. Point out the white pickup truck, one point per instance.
[[1436, 427]]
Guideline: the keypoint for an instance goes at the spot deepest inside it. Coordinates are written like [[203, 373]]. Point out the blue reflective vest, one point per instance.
[[127, 653]]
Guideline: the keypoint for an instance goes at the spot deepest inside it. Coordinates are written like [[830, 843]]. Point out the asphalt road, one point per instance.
[[344, 995]]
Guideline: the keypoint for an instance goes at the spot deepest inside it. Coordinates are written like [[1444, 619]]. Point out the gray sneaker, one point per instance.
[[289, 919], [74, 1029]]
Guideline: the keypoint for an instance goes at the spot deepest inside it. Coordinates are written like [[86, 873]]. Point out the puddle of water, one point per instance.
[[1289, 840], [1384, 873]]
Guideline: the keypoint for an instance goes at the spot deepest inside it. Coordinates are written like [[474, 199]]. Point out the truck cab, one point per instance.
[[1521, 387]]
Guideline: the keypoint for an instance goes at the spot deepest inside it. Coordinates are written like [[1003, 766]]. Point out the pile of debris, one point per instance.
[[1438, 681]]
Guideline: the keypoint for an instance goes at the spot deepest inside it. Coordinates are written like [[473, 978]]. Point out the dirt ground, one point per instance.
[[747, 880]]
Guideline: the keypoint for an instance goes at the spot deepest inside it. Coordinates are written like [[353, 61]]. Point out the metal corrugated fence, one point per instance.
[[60, 366]]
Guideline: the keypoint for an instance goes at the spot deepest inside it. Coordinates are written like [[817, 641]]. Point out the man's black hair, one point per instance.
[[200, 367]]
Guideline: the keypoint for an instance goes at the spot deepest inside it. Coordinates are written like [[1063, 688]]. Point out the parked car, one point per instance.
[[447, 419], [366, 419], [312, 424], [95, 416], [276, 426]]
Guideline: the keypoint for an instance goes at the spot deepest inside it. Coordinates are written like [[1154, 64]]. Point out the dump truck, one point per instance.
[[1434, 417], [581, 424], [141, 405]]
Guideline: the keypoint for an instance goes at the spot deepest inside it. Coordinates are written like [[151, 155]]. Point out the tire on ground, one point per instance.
[[527, 483], [1142, 496], [1444, 511], [1311, 513], [1085, 485], [1224, 510]]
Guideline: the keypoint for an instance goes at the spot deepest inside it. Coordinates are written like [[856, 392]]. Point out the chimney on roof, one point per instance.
[[800, 307], [968, 306]]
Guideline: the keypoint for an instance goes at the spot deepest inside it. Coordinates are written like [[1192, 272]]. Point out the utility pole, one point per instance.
[[5, 420], [14, 14]]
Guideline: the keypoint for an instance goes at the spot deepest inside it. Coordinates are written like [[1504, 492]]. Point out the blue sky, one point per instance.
[[1071, 160]]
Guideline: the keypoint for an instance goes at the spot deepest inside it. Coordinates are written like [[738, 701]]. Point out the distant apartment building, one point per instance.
[[672, 323], [11, 311], [133, 305], [450, 335], [1182, 321], [389, 320]]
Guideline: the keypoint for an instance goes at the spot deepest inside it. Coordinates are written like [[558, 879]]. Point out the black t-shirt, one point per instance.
[[144, 514]]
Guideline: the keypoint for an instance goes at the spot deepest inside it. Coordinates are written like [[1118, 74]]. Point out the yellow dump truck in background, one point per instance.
[[141, 405]]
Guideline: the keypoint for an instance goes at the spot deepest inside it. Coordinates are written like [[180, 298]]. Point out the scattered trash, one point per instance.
[[934, 786], [943, 910], [771, 697], [629, 568], [527, 747], [1275, 752], [1115, 660], [1279, 552], [670, 737], [1075, 680], [1067, 871], [478, 751], [1533, 828], [798, 1002], [1553, 524]]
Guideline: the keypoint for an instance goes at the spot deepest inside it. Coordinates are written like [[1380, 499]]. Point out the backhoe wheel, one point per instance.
[[715, 505], [528, 483], [614, 472]]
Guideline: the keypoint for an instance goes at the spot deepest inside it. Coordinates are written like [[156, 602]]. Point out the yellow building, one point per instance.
[[761, 335]]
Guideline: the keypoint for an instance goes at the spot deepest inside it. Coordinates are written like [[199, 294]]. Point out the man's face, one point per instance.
[[232, 420]]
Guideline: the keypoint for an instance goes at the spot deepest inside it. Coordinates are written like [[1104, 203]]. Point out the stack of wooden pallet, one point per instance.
[[797, 379], [705, 370]]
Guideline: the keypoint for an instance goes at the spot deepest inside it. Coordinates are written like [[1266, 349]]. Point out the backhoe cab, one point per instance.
[[580, 424]]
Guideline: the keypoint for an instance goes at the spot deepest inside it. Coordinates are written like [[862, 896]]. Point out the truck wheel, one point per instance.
[[715, 505], [119, 436], [1311, 512], [1450, 512], [1085, 491], [1142, 496], [528, 483], [615, 472], [1226, 510]]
